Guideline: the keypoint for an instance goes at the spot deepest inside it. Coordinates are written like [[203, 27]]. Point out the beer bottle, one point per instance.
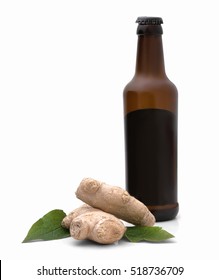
[[150, 109]]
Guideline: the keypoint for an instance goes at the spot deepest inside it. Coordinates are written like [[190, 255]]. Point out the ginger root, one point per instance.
[[66, 222], [87, 222], [114, 200]]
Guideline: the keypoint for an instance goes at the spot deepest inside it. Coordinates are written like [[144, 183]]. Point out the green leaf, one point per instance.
[[152, 234], [48, 227]]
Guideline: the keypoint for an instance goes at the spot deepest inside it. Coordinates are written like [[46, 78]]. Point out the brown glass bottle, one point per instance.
[[150, 108]]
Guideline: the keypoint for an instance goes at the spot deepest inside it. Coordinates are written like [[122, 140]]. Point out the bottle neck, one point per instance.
[[150, 59]]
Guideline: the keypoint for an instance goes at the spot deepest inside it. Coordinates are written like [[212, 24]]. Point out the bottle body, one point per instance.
[[150, 116]]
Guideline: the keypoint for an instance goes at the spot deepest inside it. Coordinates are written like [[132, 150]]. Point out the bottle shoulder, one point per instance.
[[142, 84], [150, 92]]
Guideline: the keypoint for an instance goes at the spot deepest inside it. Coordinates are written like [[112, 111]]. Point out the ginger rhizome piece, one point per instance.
[[114, 200], [74, 214], [87, 222]]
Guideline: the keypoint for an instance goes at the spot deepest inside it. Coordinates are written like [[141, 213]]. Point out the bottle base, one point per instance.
[[164, 213]]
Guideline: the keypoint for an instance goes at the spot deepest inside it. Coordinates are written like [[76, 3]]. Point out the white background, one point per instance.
[[63, 67]]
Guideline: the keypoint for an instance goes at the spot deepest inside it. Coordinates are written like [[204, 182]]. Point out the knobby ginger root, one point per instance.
[[66, 222], [114, 200], [87, 222]]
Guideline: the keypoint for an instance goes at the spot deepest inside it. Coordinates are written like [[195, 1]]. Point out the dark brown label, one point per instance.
[[151, 156]]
